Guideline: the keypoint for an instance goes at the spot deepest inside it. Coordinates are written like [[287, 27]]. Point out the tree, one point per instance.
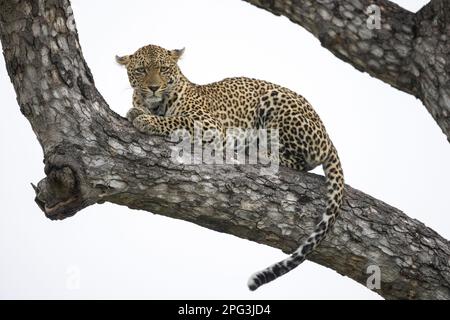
[[93, 155]]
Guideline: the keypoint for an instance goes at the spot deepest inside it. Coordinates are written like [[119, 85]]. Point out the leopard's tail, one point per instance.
[[335, 188]]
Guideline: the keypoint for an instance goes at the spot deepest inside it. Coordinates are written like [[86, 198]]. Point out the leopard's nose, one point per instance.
[[154, 88]]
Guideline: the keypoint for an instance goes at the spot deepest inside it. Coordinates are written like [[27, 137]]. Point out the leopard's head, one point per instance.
[[152, 71]]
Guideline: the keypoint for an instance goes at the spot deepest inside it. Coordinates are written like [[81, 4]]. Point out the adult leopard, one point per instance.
[[164, 100]]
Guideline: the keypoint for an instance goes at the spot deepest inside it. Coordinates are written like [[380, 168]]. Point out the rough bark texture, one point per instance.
[[93, 155], [411, 52]]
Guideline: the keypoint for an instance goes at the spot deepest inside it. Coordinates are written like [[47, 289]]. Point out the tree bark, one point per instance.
[[93, 155], [411, 52]]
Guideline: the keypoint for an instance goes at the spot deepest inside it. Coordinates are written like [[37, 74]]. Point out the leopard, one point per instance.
[[165, 100]]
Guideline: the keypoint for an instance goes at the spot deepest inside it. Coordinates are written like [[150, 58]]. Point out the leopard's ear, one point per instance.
[[124, 60], [176, 54]]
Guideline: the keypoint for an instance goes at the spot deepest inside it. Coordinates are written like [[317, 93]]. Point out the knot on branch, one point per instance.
[[59, 194]]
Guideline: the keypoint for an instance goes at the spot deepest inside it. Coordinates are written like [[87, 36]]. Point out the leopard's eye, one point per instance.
[[164, 68], [140, 70]]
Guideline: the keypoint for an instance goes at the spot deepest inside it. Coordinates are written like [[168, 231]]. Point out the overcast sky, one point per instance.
[[389, 145]]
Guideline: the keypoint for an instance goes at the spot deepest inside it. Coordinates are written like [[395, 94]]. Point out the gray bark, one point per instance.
[[410, 51], [93, 155]]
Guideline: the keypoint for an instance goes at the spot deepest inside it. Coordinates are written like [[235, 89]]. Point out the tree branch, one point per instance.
[[409, 51], [93, 155]]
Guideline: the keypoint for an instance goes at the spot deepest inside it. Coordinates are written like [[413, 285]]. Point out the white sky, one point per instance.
[[390, 147]]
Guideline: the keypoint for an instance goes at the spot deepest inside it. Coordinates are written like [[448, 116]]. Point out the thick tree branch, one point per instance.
[[411, 52], [93, 155]]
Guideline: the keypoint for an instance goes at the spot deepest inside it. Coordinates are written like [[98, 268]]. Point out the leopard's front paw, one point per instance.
[[142, 123], [133, 113]]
